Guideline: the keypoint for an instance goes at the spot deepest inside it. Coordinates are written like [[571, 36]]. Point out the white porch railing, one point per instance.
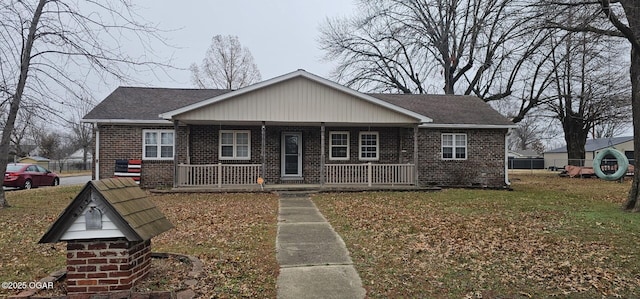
[[370, 174], [210, 175]]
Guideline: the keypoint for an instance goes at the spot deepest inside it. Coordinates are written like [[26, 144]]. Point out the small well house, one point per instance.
[[108, 229]]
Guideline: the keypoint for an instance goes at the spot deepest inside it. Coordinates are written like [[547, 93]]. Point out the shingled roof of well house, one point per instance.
[[448, 109], [144, 103], [132, 204], [136, 216]]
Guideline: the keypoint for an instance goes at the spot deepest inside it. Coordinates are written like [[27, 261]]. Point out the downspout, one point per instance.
[[96, 157], [263, 146], [506, 160]]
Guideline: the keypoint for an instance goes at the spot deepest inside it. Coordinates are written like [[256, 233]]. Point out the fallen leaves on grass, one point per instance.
[[232, 234], [480, 244]]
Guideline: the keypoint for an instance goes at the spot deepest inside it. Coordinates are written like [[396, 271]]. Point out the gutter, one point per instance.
[[506, 160]]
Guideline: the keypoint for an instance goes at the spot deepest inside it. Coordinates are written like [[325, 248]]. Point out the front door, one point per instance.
[[292, 154]]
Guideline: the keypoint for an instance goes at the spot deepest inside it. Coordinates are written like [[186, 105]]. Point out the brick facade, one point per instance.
[[199, 144], [99, 266], [125, 142], [484, 165]]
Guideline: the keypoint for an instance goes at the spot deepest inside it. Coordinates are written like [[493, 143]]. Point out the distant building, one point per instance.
[[78, 156], [558, 157], [42, 161], [526, 154]]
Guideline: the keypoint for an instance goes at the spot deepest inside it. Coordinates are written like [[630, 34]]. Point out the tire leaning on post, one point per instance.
[[623, 164]]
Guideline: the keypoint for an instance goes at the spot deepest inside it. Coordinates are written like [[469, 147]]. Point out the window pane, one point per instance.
[[338, 139], [151, 138], [339, 152], [291, 144], [461, 153], [151, 151], [167, 138], [368, 146], [242, 138], [226, 138], [242, 151], [447, 152], [369, 139], [227, 151], [461, 140], [166, 151], [447, 140], [291, 165]]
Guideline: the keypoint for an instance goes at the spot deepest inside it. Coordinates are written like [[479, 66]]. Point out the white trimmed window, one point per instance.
[[339, 145], [369, 146], [454, 146], [235, 145], [157, 144]]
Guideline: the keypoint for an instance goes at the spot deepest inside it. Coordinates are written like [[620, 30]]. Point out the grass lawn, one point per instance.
[[551, 236], [233, 234]]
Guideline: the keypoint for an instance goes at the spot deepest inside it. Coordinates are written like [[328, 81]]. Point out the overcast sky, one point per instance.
[[281, 34]]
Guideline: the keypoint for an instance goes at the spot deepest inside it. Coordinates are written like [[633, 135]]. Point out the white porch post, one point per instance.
[[415, 154], [322, 153], [175, 153], [96, 157], [263, 146]]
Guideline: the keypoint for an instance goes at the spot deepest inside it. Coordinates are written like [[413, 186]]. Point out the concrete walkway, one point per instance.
[[314, 262]]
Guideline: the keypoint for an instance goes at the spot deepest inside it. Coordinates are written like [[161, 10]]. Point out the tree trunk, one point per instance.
[[575, 135], [635, 96], [25, 63]]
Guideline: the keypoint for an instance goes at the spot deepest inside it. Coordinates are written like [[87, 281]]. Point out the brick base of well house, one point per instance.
[[99, 266]]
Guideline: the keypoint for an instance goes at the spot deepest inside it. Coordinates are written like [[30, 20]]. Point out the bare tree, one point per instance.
[[49, 47], [609, 128], [81, 135], [21, 135], [624, 16], [227, 65], [527, 136], [586, 91], [49, 144], [487, 48]]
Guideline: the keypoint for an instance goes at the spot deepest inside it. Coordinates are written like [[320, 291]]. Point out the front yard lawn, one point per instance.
[[233, 234], [551, 236]]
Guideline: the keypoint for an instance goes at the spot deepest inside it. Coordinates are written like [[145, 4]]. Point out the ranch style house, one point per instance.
[[297, 129]]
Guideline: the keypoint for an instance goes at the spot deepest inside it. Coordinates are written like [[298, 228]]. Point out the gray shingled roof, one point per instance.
[[448, 109], [136, 216], [143, 103], [140, 103], [593, 145]]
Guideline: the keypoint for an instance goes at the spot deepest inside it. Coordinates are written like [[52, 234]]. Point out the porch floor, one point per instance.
[[307, 188]]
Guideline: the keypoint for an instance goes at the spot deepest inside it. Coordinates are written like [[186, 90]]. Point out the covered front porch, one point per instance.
[[295, 129], [242, 156]]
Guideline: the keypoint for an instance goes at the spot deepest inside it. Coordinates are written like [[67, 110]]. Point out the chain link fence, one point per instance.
[[62, 166]]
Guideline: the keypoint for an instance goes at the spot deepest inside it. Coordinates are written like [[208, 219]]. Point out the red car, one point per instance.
[[26, 176]]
